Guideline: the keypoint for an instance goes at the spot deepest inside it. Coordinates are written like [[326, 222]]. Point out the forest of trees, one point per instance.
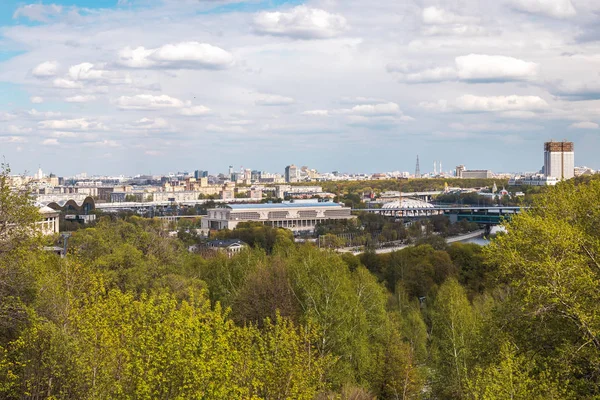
[[131, 314]]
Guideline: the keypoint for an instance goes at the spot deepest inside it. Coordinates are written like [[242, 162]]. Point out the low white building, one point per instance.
[[297, 215], [533, 180], [49, 222]]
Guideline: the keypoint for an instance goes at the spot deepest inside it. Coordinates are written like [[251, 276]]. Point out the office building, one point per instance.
[[300, 215], [462, 172], [559, 160], [200, 174], [291, 173]]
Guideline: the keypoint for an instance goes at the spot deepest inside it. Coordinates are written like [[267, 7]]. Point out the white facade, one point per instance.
[[533, 180], [559, 165], [49, 223], [296, 216], [559, 160]]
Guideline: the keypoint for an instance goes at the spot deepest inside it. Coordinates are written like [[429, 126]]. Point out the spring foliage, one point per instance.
[[131, 314]]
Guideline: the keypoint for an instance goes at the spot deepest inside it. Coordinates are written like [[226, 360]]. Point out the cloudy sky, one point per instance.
[[153, 86]]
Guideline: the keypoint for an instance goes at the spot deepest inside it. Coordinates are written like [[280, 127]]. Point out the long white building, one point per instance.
[[297, 216]]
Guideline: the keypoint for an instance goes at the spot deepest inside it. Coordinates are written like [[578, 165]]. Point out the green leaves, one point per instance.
[[549, 258]]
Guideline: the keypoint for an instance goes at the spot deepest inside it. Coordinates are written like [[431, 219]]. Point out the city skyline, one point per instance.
[[94, 86], [426, 171]]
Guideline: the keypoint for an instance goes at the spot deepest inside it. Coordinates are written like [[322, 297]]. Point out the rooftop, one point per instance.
[[226, 243], [283, 205]]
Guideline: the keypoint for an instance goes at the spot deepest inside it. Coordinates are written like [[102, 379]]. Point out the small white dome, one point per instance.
[[47, 210]]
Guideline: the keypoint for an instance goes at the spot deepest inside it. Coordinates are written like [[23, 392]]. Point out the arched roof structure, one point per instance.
[[79, 206], [407, 203]]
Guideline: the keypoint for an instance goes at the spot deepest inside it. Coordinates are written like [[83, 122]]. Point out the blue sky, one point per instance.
[[167, 85]]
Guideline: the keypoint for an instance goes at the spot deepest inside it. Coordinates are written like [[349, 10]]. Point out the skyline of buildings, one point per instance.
[[556, 160]]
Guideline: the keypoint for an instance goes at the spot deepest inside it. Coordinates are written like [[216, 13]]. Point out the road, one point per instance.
[[384, 250]]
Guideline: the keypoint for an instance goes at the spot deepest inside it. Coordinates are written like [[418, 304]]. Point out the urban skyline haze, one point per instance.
[[128, 87]]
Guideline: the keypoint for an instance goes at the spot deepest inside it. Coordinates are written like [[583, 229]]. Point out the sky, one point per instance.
[[158, 86]]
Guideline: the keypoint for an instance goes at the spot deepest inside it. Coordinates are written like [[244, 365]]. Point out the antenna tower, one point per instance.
[[417, 169]]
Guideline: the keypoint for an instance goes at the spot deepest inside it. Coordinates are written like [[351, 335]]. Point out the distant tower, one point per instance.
[[441, 170], [417, 169], [435, 168], [559, 159]]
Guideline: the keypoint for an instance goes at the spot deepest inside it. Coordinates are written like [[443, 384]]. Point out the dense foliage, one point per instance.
[[131, 314]]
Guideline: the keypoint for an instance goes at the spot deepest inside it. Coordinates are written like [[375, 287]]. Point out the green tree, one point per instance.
[[18, 214], [513, 376], [550, 260], [452, 332]]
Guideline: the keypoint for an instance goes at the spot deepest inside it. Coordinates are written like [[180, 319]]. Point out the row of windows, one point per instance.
[[337, 213], [245, 215]]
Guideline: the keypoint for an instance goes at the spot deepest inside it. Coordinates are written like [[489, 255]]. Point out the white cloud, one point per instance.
[[149, 102], [316, 113], [38, 12], [185, 55], [440, 105], [152, 153], [443, 22], [62, 83], [500, 103], [551, 8], [584, 125], [12, 139], [411, 74], [45, 69], [481, 67], [6, 116], [577, 89], [376, 109], [195, 111], [50, 142], [18, 130], [274, 100], [42, 114], [240, 122], [382, 121], [95, 73], [151, 123], [300, 22], [79, 124], [360, 100], [103, 143], [225, 129], [470, 68], [80, 99], [60, 134], [36, 100], [439, 16], [454, 30]]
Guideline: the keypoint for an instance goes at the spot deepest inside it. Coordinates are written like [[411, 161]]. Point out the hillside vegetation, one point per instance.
[[131, 314]]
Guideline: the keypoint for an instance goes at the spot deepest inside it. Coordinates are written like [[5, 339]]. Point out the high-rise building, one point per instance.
[[256, 175], [559, 160], [291, 173], [459, 170], [200, 174]]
